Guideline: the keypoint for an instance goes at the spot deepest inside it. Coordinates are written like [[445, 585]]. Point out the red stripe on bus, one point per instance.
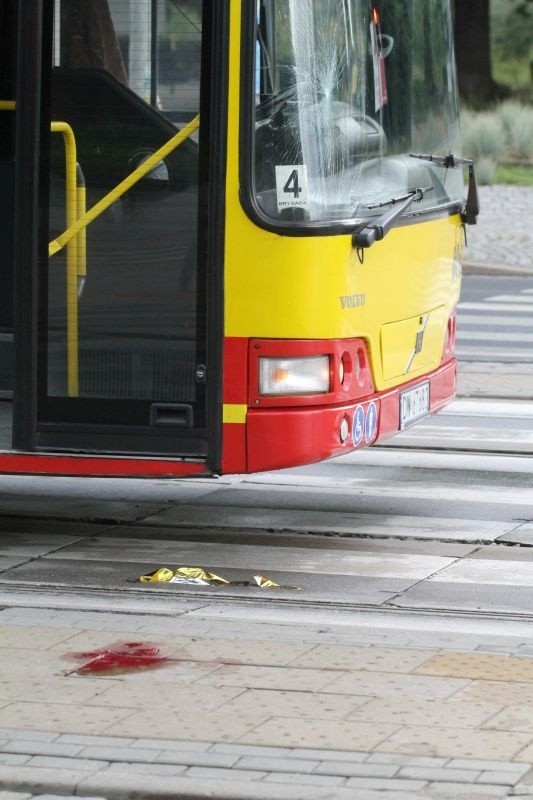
[[36, 463]]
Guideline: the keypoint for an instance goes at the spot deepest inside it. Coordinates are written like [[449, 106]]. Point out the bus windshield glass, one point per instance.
[[345, 92]]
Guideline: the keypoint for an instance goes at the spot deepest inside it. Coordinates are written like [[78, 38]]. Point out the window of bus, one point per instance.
[[125, 78], [345, 91]]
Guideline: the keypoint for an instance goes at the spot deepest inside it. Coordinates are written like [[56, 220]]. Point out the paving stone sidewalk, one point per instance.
[[263, 708], [502, 240]]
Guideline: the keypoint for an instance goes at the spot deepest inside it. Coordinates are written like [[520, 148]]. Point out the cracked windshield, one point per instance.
[[342, 92]]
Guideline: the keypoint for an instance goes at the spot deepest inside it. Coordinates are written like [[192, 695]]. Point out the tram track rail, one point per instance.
[[164, 603]]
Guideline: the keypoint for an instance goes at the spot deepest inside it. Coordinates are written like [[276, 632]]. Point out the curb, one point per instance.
[[243, 772], [123, 785], [484, 268]]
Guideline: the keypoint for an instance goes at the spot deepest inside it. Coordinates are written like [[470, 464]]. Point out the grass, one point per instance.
[[514, 174]]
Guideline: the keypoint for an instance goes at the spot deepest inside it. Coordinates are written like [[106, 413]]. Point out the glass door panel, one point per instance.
[[124, 303]]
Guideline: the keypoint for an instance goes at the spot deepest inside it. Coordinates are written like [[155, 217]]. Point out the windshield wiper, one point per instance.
[[471, 208], [373, 230]]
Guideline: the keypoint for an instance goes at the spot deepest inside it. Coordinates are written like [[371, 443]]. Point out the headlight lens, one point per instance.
[[278, 376]]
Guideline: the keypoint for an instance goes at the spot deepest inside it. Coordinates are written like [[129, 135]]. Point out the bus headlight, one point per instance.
[[280, 376]]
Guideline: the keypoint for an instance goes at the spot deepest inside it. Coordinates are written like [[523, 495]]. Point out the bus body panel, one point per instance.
[[399, 298], [315, 287]]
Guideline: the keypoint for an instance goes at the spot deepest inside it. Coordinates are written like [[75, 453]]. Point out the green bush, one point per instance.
[[483, 136], [485, 170], [517, 121]]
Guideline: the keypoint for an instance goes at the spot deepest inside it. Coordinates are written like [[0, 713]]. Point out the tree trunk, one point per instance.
[[472, 49]]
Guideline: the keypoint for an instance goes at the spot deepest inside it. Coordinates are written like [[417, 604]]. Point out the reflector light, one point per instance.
[[342, 371], [360, 366], [286, 376], [344, 430]]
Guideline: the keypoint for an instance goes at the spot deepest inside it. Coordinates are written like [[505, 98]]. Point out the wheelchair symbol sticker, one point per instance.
[[371, 423], [358, 425]]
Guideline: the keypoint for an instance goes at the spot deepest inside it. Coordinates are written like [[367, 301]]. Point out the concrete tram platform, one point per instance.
[[284, 699]]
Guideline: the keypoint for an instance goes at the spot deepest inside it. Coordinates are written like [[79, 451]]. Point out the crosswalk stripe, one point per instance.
[[473, 327], [504, 336], [463, 438], [488, 408], [490, 307], [489, 571], [508, 298], [477, 319], [395, 488], [426, 460], [495, 353], [372, 486]]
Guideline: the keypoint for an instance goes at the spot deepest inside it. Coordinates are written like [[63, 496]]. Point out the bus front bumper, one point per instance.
[[285, 437]]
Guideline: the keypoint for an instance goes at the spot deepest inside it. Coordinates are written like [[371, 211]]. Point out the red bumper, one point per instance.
[[287, 437]]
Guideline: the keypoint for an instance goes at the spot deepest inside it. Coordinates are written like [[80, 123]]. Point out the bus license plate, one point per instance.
[[414, 404]]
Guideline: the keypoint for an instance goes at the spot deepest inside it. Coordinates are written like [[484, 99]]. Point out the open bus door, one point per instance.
[[118, 238], [7, 190]]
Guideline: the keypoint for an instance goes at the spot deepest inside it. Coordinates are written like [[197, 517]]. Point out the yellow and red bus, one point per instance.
[[231, 232]]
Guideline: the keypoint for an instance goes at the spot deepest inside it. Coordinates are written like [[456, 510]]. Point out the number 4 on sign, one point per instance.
[[291, 186]]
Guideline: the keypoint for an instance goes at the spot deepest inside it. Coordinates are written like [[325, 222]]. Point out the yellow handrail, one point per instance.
[[143, 169], [72, 254], [75, 205], [82, 236]]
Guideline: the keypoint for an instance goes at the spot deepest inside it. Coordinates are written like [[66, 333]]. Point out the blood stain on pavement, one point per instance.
[[119, 658]]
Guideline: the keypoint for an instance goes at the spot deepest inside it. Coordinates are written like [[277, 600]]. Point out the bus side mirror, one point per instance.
[[471, 209]]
